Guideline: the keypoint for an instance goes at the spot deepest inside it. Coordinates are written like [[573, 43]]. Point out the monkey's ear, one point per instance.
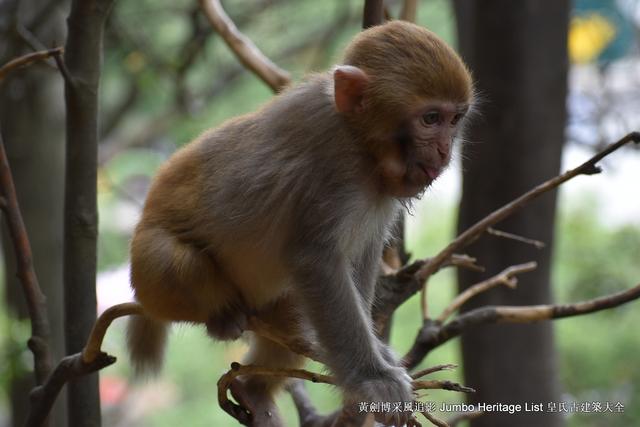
[[349, 83]]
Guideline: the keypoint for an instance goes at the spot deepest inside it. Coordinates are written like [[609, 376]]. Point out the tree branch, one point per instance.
[[373, 13], [81, 68], [91, 359], [433, 333], [506, 277], [472, 233], [244, 49], [71, 367], [499, 233], [393, 290], [26, 60], [92, 349], [36, 301], [409, 10], [240, 413]]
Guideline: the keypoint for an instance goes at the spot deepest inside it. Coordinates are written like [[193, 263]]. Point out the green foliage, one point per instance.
[[599, 352]]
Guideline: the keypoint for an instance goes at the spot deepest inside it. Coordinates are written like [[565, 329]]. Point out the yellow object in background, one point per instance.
[[589, 35]]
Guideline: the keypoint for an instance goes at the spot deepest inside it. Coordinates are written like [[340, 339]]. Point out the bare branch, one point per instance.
[[26, 60], [373, 13], [244, 49], [441, 385], [91, 359], [433, 333], [409, 10], [393, 290], [437, 368], [472, 233], [92, 349], [505, 277], [69, 368], [498, 233], [36, 301]]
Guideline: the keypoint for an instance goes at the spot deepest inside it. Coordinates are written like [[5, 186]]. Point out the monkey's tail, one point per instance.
[[146, 339]]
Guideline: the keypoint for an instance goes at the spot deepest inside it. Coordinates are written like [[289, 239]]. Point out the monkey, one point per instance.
[[283, 213]]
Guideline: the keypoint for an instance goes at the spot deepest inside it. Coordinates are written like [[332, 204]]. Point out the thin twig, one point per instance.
[[36, 301], [505, 277], [26, 60], [437, 368], [472, 233], [244, 49], [441, 385], [499, 233]]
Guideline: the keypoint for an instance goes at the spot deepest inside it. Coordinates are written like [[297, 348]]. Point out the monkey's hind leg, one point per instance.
[[258, 391]]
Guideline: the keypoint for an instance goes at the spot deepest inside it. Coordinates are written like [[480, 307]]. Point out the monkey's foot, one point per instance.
[[254, 398], [227, 325]]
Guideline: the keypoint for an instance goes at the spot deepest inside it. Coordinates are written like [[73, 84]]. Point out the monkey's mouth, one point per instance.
[[424, 175]]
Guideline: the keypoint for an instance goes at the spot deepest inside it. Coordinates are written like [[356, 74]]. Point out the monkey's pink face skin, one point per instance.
[[422, 148]]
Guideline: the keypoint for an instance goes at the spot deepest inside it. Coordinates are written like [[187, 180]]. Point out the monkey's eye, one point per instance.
[[456, 119], [431, 118]]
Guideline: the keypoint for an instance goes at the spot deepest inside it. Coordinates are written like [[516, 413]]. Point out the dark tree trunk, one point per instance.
[[83, 60], [517, 53], [31, 121]]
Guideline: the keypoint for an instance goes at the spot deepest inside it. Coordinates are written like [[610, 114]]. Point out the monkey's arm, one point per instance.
[[366, 270], [330, 298], [366, 274]]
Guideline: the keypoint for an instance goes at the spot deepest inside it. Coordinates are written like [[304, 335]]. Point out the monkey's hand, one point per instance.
[[389, 385]]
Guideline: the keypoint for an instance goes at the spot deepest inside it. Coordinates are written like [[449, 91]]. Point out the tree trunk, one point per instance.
[[31, 122], [517, 52], [83, 61]]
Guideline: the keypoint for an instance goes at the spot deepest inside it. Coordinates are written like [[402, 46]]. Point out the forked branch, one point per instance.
[[244, 49], [472, 233], [91, 359], [506, 278], [434, 333]]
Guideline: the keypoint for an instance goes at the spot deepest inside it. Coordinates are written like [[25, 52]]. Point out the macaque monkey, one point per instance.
[[283, 213]]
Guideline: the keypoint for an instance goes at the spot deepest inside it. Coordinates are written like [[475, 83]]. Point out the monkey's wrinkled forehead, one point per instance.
[[404, 58]]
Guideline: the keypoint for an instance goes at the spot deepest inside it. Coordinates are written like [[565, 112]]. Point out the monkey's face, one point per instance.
[[420, 149]]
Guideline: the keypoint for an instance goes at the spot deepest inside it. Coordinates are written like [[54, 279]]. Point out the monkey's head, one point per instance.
[[406, 93]]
